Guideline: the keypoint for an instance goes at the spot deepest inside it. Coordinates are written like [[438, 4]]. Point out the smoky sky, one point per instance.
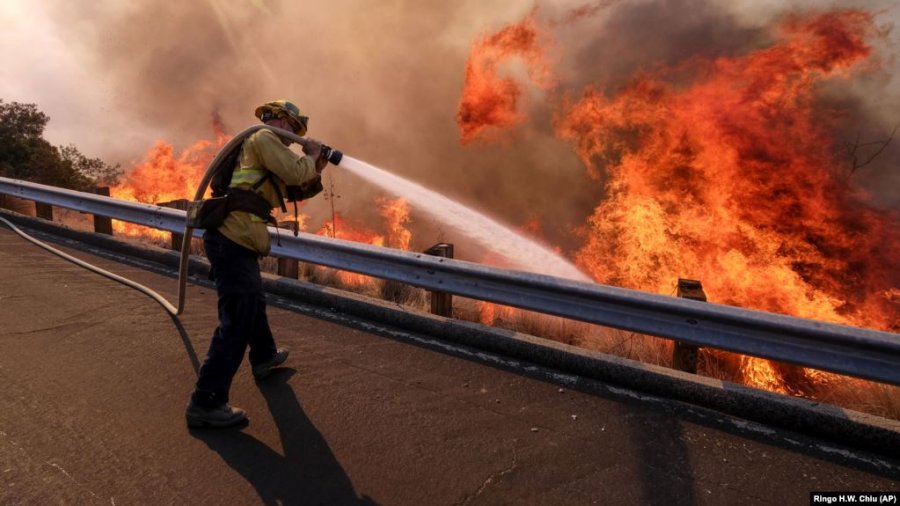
[[382, 81], [645, 36]]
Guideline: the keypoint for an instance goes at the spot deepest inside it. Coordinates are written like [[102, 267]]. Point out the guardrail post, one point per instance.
[[176, 204], [102, 224], [684, 356], [44, 211], [441, 302], [288, 267]]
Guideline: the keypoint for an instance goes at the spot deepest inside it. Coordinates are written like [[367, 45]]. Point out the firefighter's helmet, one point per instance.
[[283, 109]]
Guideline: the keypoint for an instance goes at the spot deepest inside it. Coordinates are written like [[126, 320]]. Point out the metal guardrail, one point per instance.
[[842, 349]]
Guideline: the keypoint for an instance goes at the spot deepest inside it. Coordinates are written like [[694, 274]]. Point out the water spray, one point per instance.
[[520, 250], [524, 252]]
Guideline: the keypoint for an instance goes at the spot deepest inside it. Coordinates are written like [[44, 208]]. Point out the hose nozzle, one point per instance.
[[333, 156]]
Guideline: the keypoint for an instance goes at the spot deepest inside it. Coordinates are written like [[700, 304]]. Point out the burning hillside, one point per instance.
[[733, 178], [726, 170]]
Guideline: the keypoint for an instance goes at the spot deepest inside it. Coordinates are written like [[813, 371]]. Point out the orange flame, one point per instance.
[[731, 180], [487, 312], [396, 217], [489, 100], [731, 177], [340, 229], [162, 176]]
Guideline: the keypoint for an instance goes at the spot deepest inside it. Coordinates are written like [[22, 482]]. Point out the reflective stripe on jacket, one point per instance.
[[264, 152]]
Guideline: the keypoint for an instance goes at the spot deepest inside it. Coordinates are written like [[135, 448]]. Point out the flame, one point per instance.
[[340, 229], [487, 312], [731, 180], [396, 217], [489, 100], [492, 314], [162, 176], [726, 171]]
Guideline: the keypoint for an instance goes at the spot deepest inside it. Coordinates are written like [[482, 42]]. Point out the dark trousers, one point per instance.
[[242, 319]]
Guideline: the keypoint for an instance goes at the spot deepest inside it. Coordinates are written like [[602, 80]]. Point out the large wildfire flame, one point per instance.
[[492, 100], [734, 180], [726, 171], [162, 177]]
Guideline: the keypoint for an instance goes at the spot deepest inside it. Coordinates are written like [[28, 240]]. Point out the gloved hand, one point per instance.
[[313, 148], [321, 162]]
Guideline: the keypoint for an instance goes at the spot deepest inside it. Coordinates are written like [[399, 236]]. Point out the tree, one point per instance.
[[25, 154], [95, 169], [21, 121]]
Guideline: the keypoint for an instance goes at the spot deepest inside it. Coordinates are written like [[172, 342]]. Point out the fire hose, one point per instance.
[[115, 277], [332, 155]]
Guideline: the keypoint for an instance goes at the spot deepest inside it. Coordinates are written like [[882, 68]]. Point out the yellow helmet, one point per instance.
[[283, 109]]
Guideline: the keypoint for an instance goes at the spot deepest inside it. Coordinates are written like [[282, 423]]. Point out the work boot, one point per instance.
[[217, 418], [262, 370]]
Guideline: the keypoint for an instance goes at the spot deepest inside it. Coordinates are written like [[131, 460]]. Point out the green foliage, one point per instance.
[[95, 169], [24, 154]]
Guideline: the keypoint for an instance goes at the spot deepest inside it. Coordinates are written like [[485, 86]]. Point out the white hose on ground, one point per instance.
[[115, 277]]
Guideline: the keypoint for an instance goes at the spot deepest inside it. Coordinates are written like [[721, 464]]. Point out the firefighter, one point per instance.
[[265, 167]]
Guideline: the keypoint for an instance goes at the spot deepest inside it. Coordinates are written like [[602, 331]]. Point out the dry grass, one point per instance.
[[861, 395], [851, 393], [631, 345]]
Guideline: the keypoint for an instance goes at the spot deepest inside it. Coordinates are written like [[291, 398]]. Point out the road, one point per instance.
[[96, 377]]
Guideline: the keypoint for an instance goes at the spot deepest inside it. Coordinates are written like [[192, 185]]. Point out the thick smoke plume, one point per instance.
[[383, 82]]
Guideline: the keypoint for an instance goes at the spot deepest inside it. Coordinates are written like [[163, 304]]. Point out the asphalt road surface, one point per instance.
[[96, 377]]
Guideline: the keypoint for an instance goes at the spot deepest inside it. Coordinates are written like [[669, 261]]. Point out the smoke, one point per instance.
[[382, 81]]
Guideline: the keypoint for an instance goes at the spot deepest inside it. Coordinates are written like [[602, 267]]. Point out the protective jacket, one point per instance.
[[261, 153]]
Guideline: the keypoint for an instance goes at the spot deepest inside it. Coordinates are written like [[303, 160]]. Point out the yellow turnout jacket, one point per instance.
[[264, 152]]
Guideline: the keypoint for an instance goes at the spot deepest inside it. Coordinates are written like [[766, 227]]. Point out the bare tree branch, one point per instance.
[[853, 151]]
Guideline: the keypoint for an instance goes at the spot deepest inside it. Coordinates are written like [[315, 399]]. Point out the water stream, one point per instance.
[[522, 252]]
